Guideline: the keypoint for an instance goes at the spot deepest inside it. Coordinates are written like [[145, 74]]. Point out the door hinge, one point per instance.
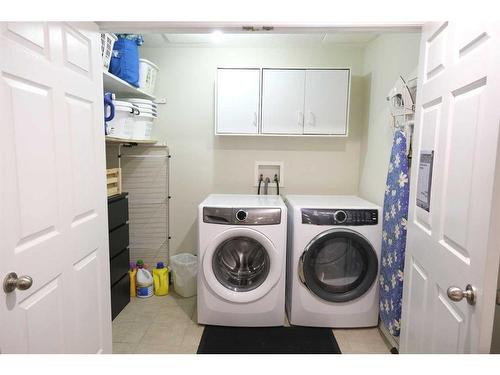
[[498, 297]]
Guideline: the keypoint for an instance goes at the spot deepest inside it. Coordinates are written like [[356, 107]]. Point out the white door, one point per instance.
[[283, 101], [238, 94], [454, 243], [53, 225], [326, 101]]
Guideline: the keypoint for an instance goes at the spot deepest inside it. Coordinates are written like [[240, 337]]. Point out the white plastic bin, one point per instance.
[[121, 125], [146, 108], [147, 75], [142, 126], [140, 101], [184, 268]]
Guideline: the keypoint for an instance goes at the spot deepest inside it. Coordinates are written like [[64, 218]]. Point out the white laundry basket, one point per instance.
[[147, 75], [122, 124], [107, 42], [184, 268], [142, 126]]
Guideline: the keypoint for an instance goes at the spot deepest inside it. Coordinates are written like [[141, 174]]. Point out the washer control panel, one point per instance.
[[242, 216], [339, 216]]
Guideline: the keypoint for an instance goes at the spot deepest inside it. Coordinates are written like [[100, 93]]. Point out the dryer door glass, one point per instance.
[[339, 265], [241, 264]]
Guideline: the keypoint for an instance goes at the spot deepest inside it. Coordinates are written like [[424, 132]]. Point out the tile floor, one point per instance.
[[157, 325], [168, 325], [361, 341]]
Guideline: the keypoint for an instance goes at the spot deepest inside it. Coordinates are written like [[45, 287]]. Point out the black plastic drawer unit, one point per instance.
[[118, 240], [120, 295], [119, 253], [119, 266], [117, 211]]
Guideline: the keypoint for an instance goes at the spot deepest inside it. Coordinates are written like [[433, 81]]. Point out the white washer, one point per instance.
[[242, 260], [334, 247]]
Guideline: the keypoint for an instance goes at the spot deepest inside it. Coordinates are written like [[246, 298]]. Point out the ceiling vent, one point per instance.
[[253, 28]]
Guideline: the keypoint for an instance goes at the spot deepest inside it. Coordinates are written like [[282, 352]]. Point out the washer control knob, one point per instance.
[[340, 216], [241, 215]]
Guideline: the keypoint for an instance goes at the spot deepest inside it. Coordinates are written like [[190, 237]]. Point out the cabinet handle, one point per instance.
[[255, 119], [300, 118]]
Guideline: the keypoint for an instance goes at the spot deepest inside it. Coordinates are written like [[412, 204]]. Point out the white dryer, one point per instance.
[[334, 247], [242, 260]]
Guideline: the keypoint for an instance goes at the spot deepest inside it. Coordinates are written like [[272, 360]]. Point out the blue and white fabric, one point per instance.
[[394, 218], [125, 58]]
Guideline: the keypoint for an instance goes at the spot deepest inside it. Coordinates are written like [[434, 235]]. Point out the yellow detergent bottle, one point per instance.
[[132, 272], [160, 279]]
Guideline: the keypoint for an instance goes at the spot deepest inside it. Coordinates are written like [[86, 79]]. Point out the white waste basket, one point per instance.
[[184, 268]]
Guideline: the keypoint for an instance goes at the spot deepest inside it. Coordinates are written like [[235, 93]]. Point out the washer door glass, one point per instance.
[[241, 264], [339, 265]]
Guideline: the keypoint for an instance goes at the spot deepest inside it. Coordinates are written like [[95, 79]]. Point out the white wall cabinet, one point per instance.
[[293, 101], [283, 101], [238, 101], [326, 101]]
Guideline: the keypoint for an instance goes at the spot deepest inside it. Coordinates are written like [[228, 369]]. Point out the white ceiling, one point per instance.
[[256, 39]]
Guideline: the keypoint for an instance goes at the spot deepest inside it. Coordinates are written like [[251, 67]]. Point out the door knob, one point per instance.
[[456, 294], [12, 282]]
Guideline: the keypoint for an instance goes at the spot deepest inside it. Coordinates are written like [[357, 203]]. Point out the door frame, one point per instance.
[[201, 27], [304, 27], [493, 253]]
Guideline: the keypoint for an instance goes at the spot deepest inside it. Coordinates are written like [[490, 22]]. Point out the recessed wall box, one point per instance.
[[269, 169]]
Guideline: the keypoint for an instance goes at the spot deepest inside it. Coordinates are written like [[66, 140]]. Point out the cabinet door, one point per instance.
[[283, 101], [326, 101], [238, 93]]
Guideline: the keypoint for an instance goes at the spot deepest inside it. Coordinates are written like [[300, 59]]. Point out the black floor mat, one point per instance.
[[267, 340]]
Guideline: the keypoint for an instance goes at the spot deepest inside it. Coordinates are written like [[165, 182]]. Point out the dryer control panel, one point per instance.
[[339, 216]]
